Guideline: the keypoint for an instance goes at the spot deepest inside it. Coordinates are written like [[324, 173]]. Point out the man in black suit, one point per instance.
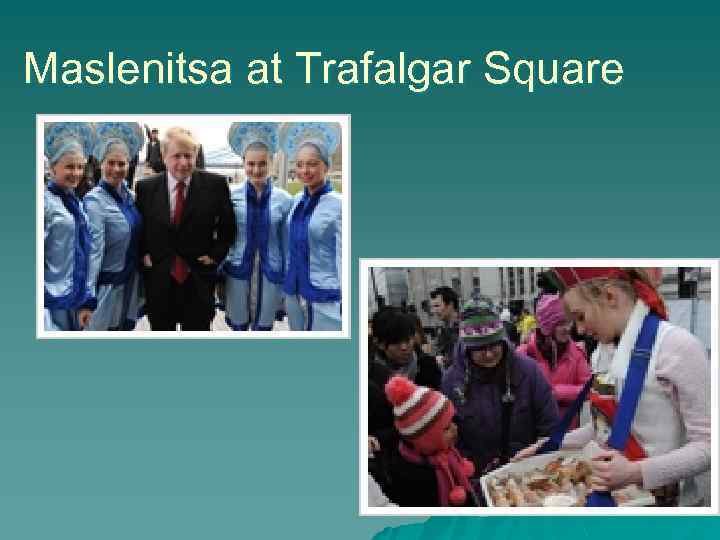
[[189, 226]]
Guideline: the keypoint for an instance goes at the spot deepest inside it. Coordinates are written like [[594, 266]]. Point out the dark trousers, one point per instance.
[[187, 306]]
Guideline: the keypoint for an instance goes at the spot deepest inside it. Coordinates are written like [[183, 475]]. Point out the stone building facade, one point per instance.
[[411, 287]]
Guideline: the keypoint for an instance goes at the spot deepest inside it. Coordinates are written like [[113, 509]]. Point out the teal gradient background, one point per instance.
[[236, 439]]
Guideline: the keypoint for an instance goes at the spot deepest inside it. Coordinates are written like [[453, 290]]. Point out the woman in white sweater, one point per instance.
[[669, 446]]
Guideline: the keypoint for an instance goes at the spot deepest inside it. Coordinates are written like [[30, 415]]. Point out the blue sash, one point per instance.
[[297, 280], [134, 220], [561, 428], [80, 295], [622, 423], [257, 237]]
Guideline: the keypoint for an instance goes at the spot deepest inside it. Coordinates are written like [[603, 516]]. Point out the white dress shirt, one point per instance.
[[172, 182]]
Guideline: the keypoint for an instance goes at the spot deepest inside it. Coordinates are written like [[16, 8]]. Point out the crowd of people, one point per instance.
[[183, 242], [497, 390]]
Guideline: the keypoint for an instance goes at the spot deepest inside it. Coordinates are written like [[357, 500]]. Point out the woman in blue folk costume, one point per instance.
[[69, 296], [312, 284], [255, 265], [115, 227]]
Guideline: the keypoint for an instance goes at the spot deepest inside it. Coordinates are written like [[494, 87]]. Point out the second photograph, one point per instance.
[[548, 386]]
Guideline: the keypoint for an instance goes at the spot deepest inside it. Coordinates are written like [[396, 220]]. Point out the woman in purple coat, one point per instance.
[[502, 399]]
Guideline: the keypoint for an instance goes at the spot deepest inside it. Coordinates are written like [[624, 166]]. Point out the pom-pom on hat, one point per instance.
[[421, 414], [480, 325], [243, 134], [550, 313], [65, 137], [324, 136], [129, 134]]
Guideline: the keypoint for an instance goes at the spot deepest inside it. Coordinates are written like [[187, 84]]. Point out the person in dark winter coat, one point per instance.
[[427, 470], [153, 157], [502, 398], [381, 425], [395, 340], [393, 352], [445, 303]]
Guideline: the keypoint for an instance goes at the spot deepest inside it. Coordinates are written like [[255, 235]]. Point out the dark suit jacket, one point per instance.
[[207, 227]]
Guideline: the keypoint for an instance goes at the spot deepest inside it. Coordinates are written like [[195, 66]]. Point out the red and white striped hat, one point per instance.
[[421, 414]]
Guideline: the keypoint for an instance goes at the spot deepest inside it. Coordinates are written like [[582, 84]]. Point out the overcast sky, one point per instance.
[[210, 136]]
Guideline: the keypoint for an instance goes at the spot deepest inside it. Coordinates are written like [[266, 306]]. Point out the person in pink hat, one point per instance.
[[561, 360]]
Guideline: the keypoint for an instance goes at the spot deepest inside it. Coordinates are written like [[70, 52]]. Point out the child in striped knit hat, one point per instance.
[[428, 471]]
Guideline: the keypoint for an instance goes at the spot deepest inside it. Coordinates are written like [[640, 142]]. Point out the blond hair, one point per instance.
[[592, 289], [181, 136]]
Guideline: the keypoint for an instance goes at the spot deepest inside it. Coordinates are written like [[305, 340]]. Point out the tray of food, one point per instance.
[[556, 479]]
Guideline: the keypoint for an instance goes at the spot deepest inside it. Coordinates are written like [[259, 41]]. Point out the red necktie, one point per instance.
[[180, 269]]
